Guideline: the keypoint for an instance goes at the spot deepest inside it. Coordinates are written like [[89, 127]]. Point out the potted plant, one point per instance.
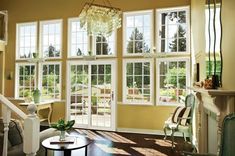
[[36, 95], [62, 126]]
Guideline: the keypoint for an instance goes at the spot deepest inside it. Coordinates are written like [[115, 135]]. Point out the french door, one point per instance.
[[91, 99]]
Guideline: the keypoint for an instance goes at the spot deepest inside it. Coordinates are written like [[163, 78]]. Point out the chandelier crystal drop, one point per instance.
[[100, 20]]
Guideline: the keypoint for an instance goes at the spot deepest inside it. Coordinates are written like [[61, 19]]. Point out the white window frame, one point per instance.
[[40, 77], [187, 60], [60, 21], [158, 26], [70, 20], [17, 65], [125, 61], [115, 46], [18, 25], [133, 13]]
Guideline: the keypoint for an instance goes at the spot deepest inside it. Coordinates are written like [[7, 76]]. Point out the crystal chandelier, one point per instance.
[[100, 19]]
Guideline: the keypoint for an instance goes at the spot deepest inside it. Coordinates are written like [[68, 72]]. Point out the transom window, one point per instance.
[[26, 40], [173, 30], [25, 80], [173, 78], [137, 32], [105, 45], [51, 38], [78, 39], [137, 81]]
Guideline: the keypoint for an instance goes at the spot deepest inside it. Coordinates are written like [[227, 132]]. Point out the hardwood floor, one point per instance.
[[127, 144]]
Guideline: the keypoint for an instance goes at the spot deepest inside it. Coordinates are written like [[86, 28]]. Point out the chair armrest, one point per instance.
[[180, 118]]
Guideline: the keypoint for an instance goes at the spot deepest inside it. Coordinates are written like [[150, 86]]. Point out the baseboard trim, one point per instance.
[[146, 131]]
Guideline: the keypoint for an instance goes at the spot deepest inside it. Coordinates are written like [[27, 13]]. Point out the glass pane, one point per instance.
[[138, 69], [101, 69], [172, 18], [182, 82], [108, 69], [163, 45], [138, 46], [94, 80], [182, 17], [172, 45], [163, 81], [146, 81], [182, 44], [146, 68], [182, 31], [129, 81], [138, 21], [172, 31], [129, 69], [163, 17], [138, 81], [94, 69], [163, 68]]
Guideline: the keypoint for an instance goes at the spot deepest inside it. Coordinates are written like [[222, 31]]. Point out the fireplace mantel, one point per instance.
[[211, 108]]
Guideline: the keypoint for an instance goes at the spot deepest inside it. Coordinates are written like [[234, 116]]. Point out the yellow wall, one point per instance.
[[228, 13], [143, 117], [198, 34]]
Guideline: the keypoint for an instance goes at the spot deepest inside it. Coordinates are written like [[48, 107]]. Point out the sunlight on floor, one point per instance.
[[160, 142], [148, 151], [91, 135], [114, 137], [111, 150]]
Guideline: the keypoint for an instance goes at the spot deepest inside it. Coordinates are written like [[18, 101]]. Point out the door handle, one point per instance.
[[112, 95]]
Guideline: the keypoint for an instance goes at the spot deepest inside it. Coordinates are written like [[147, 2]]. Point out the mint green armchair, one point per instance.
[[227, 147], [178, 126]]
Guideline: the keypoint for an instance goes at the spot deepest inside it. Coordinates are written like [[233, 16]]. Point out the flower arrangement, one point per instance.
[[62, 126]]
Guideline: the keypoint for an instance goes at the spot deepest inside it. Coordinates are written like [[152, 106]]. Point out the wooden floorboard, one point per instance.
[[127, 144]]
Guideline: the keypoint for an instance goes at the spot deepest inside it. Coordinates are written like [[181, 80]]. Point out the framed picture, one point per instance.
[[3, 26]]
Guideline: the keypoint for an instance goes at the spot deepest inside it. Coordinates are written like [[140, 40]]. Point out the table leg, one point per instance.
[[67, 153], [45, 152], [49, 115], [86, 151]]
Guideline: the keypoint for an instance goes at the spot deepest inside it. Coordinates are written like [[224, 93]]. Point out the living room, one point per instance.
[[107, 84]]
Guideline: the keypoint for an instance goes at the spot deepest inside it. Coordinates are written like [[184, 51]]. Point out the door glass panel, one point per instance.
[[79, 94], [101, 95]]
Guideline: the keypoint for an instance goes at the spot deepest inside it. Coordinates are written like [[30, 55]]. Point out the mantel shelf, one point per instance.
[[213, 92]]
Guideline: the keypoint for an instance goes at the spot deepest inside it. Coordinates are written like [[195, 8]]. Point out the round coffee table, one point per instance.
[[79, 142]]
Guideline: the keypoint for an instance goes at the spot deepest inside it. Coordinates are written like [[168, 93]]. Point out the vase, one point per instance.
[[62, 136], [36, 95]]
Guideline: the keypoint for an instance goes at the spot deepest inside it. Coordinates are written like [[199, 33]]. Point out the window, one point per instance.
[[105, 45], [32, 73], [51, 38], [79, 42], [51, 80], [138, 32], [173, 79], [173, 70], [173, 30], [26, 40], [25, 80], [78, 39], [137, 81]]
